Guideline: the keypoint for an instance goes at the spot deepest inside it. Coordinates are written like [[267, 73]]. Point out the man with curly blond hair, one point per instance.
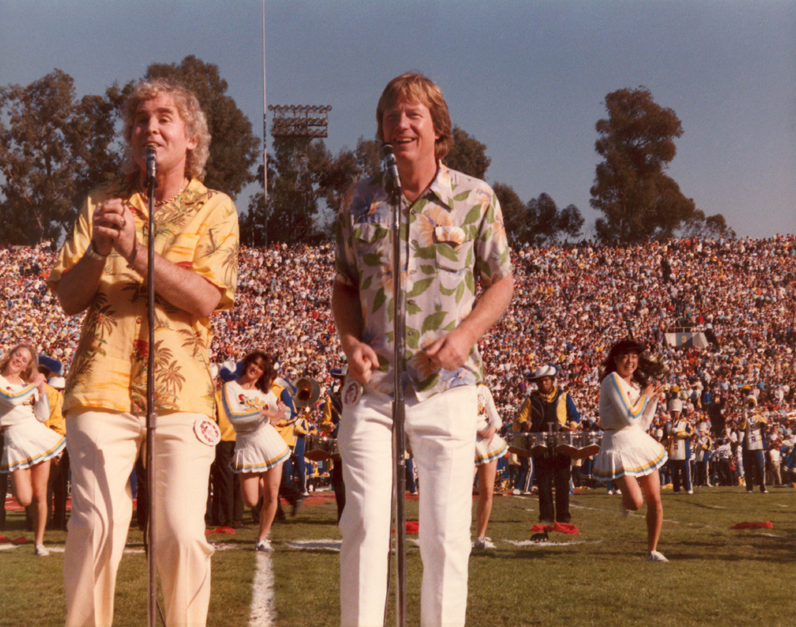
[[102, 270]]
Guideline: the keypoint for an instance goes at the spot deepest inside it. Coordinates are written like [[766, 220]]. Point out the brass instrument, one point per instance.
[[307, 392]]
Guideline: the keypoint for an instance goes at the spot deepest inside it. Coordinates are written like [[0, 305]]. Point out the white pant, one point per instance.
[[441, 435], [103, 448]]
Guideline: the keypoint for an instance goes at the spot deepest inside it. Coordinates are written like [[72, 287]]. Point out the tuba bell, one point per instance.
[[308, 391]]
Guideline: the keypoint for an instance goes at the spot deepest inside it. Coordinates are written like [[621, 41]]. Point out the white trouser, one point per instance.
[[103, 448], [441, 434]]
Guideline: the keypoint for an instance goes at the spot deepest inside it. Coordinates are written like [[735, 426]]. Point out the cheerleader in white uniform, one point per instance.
[[29, 445], [630, 456], [489, 448], [260, 451]]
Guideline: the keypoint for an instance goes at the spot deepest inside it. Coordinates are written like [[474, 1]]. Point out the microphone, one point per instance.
[[151, 165], [393, 182]]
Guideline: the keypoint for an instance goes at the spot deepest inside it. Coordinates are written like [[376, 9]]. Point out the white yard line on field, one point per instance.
[[324, 545], [262, 611]]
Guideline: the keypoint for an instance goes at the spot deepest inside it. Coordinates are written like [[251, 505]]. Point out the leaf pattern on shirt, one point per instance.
[[109, 369], [98, 325], [453, 235]]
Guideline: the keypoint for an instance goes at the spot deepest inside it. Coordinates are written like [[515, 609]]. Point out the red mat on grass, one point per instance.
[[562, 527], [753, 525]]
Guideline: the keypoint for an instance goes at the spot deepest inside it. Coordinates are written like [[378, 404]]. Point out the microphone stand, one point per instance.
[[151, 416], [398, 404]]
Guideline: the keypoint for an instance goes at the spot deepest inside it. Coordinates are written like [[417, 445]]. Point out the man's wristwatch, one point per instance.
[[93, 254]]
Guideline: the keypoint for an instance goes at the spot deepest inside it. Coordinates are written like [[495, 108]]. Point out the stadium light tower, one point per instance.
[[299, 121], [299, 124]]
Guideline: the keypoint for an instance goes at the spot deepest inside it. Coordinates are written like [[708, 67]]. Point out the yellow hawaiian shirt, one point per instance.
[[197, 231]]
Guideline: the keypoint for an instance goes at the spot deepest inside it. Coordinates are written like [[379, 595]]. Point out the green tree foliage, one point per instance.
[[467, 155], [638, 200], [515, 213], [304, 192], [538, 221], [53, 149], [711, 227], [295, 197], [234, 148]]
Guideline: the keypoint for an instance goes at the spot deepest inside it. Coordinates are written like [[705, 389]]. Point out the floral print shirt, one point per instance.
[[455, 235], [197, 231]]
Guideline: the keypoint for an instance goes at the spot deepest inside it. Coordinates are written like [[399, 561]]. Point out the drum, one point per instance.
[[578, 445], [318, 448], [590, 442], [527, 444], [567, 444]]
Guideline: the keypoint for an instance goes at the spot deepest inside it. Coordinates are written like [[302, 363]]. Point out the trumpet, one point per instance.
[[307, 392]]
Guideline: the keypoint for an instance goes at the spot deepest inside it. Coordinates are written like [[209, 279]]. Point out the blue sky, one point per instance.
[[526, 78]]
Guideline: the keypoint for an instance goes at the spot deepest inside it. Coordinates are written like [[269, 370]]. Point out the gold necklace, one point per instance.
[[160, 203]]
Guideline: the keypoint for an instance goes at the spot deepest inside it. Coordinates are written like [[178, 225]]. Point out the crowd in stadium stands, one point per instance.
[[571, 303]]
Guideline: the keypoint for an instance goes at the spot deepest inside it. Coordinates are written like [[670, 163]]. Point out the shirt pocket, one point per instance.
[[454, 256], [372, 242]]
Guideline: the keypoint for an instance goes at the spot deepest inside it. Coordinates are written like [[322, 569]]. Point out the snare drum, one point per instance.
[[567, 444], [318, 448], [527, 444], [589, 445], [578, 445]]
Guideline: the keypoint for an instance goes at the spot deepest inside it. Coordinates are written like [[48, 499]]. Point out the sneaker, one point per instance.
[[610, 492], [483, 543], [624, 511], [690, 492], [41, 550], [764, 491], [264, 546], [655, 556]]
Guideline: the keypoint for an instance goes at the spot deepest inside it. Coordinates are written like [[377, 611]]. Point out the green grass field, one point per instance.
[[716, 576]]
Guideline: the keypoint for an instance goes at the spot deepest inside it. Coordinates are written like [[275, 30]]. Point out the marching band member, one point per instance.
[[227, 506], [680, 448], [704, 445], [547, 405], [754, 445], [58, 490], [489, 448], [330, 423], [301, 429], [629, 455], [260, 451], [284, 390]]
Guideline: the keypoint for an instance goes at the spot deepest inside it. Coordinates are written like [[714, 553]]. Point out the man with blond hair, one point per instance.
[[454, 237], [102, 270]]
